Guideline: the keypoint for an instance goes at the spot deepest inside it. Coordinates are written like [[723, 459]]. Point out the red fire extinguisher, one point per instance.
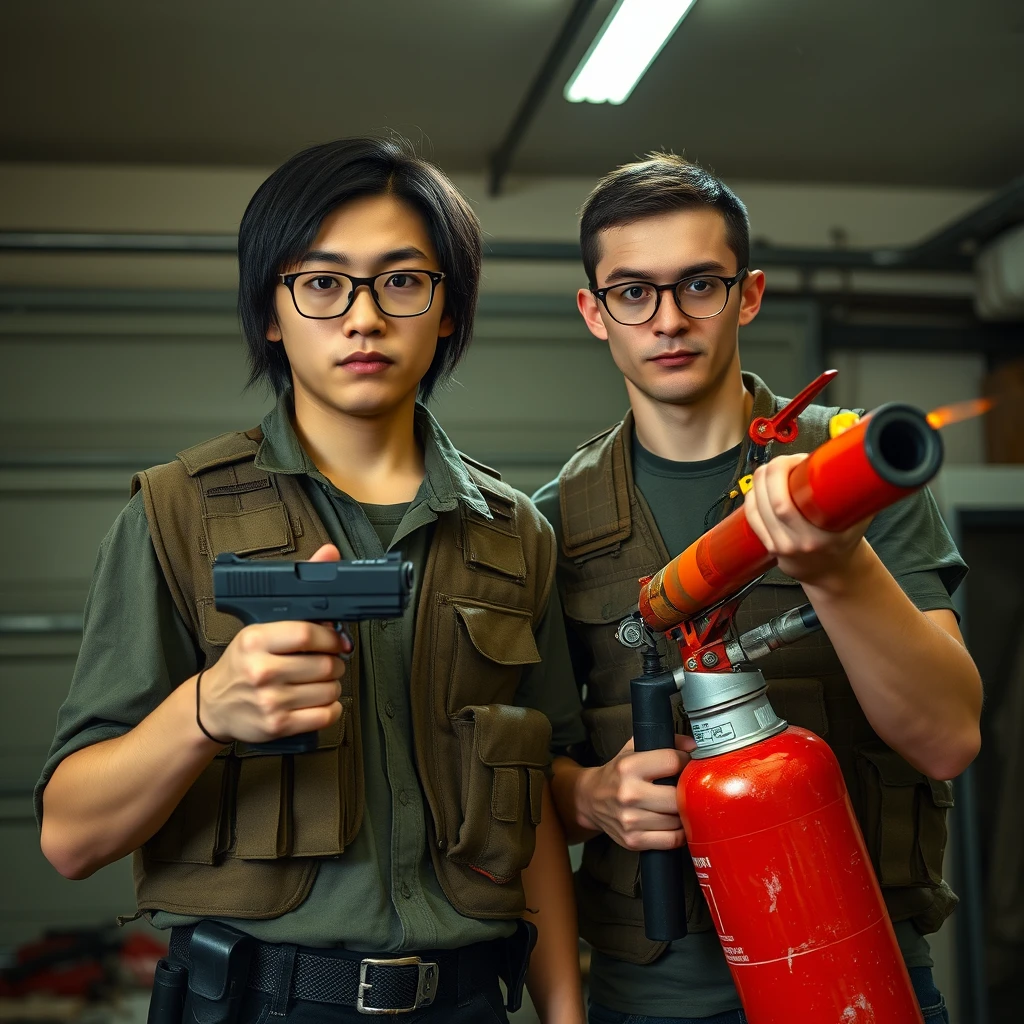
[[771, 832], [783, 866]]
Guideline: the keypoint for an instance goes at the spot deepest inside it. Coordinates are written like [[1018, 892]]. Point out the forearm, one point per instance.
[[567, 777], [916, 683], [554, 974], [106, 800]]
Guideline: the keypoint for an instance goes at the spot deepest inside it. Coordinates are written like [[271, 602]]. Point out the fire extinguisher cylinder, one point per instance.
[[783, 866]]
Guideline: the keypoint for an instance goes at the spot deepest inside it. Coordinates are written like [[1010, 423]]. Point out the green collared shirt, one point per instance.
[[382, 894]]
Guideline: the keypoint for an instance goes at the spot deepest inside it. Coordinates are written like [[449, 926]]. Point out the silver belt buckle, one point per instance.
[[426, 983]]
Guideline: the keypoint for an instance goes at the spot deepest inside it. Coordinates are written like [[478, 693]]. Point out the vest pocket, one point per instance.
[[905, 817], [198, 829], [504, 751], [491, 646]]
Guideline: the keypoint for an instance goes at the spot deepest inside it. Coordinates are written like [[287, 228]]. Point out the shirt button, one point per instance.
[[403, 797], [406, 891], [389, 709]]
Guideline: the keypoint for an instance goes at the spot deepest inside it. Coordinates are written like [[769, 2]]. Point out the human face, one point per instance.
[[363, 363], [672, 359]]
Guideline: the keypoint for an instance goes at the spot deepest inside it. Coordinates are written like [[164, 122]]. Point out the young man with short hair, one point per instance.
[[409, 831], [888, 683]]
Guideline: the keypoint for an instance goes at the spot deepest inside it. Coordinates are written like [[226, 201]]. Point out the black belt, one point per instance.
[[371, 983]]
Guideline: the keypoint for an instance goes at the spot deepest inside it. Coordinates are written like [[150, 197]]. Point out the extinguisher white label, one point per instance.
[[733, 953], [705, 734]]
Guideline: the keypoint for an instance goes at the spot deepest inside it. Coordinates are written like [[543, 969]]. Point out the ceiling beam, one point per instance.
[[501, 159]]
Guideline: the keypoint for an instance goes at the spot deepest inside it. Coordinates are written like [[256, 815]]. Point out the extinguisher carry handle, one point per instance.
[[661, 871]]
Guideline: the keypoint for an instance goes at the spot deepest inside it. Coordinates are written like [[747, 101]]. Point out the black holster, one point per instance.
[[513, 961], [167, 1003], [218, 970]]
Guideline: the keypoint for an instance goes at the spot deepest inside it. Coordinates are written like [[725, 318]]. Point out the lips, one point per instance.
[[679, 358], [366, 362]]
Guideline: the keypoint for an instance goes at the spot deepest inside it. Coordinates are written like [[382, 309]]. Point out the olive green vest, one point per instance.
[[610, 541], [246, 838]]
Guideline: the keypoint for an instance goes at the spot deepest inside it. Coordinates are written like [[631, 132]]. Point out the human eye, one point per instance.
[[700, 285], [635, 292], [403, 280], [322, 282]]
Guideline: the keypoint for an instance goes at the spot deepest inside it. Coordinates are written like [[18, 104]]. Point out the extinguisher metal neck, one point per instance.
[[728, 710]]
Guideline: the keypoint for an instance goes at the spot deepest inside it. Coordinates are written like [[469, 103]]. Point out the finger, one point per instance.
[[654, 798], [648, 821], [326, 553], [777, 488], [647, 765], [766, 511], [308, 695], [658, 840], [311, 719], [685, 743], [295, 669], [291, 637]]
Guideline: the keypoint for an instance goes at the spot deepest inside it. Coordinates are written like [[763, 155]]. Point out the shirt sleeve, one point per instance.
[[914, 545], [135, 647]]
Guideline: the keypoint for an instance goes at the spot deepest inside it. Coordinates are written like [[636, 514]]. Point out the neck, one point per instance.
[[698, 430], [374, 459]]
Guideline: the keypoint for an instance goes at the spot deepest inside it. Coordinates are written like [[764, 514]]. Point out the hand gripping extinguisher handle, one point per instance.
[[661, 871]]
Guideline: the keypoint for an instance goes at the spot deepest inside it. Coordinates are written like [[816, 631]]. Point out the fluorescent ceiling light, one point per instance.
[[634, 34]]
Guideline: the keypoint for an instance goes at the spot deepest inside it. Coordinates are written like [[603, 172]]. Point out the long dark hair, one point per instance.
[[284, 216]]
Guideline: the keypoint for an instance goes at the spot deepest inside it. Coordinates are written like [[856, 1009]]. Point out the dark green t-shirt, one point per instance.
[[692, 978], [382, 894]]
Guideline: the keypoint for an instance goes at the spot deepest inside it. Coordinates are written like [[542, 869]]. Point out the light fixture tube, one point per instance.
[[632, 36]]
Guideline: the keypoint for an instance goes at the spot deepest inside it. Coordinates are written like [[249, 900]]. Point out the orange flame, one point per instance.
[[947, 414]]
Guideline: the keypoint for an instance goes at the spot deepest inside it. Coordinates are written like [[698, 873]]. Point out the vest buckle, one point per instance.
[[426, 983]]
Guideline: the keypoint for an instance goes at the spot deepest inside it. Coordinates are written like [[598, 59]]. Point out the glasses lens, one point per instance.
[[701, 297], [403, 292], [321, 295], [632, 303]]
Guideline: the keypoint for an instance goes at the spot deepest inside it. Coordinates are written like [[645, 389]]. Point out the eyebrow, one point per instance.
[[631, 274], [408, 252]]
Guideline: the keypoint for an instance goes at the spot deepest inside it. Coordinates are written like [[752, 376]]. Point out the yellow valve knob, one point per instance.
[[841, 422]]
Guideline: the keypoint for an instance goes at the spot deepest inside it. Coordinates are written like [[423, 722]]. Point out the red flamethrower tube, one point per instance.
[[889, 454]]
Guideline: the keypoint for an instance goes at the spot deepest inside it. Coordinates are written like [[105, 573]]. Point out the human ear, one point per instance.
[[446, 328], [273, 331], [751, 293], [590, 309]]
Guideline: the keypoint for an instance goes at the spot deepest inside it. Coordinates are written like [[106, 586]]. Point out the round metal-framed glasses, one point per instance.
[[699, 297], [326, 294]]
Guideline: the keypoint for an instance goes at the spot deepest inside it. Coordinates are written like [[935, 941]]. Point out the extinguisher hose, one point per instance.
[[661, 871]]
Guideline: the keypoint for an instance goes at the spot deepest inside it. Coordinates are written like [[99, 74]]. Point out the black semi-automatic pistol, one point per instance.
[[338, 592]]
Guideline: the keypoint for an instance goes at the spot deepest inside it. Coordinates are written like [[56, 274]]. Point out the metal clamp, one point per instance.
[[426, 983]]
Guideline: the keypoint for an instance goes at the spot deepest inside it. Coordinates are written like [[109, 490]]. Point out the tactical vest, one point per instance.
[[609, 541], [246, 839]]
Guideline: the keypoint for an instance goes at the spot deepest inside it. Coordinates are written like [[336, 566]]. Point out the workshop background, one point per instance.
[[879, 147]]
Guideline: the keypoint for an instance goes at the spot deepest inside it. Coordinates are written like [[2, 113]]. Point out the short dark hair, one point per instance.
[[660, 183], [284, 216]]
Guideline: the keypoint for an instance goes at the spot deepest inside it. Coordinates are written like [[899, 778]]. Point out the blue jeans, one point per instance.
[[932, 1005]]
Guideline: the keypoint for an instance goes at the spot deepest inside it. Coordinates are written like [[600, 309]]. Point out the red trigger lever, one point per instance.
[[782, 426]]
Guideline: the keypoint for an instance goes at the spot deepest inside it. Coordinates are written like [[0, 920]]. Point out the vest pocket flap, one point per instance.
[[602, 604], [262, 811], [507, 735], [612, 865], [502, 635], [800, 702], [609, 729], [492, 549], [194, 832], [244, 533]]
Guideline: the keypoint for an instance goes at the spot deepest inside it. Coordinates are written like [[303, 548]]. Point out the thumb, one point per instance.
[[327, 553]]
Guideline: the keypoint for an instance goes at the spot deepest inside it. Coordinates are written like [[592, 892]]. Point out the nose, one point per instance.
[[363, 317], [669, 319]]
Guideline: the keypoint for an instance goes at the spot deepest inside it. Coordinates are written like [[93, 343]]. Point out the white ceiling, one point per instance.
[[915, 92]]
